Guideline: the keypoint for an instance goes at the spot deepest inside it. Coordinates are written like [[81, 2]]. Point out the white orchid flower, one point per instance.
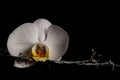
[[38, 41]]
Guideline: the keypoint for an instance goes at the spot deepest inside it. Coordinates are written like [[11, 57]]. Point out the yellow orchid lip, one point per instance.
[[40, 52]]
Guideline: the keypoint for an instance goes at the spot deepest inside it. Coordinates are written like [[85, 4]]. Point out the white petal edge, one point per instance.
[[42, 25], [22, 38], [22, 64], [57, 42]]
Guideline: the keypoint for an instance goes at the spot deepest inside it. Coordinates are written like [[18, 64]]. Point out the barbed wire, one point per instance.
[[91, 62]]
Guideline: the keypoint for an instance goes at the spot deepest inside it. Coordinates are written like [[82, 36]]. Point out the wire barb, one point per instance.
[[91, 62]]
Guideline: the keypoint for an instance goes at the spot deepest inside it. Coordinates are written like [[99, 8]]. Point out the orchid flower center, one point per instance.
[[40, 52]]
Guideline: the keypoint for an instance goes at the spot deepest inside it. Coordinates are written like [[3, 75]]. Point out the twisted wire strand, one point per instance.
[[88, 62]]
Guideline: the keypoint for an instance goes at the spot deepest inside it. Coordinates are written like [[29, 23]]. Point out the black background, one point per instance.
[[88, 25]]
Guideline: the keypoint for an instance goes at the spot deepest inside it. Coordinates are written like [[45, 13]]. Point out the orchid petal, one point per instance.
[[57, 42], [23, 64], [42, 25], [22, 39]]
